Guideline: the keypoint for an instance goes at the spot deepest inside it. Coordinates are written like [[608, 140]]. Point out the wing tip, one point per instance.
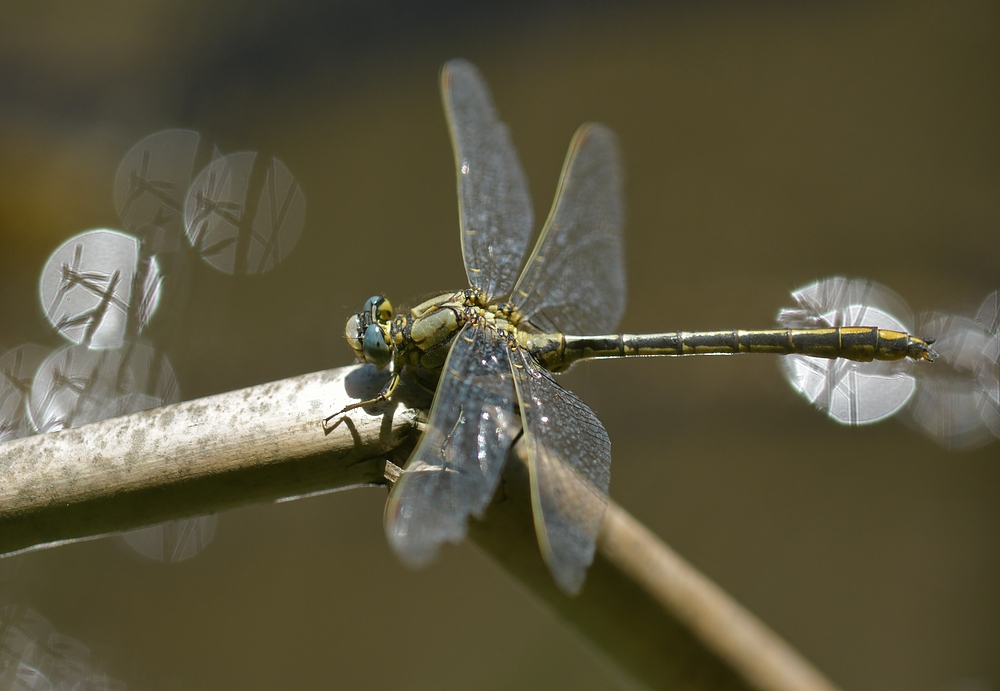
[[417, 548]]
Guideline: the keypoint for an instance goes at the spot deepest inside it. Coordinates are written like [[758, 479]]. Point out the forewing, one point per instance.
[[574, 281], [494, 206], [455, 468], [569, 457]]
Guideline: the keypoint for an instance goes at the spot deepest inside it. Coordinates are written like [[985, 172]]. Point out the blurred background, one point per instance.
[[766, 145]]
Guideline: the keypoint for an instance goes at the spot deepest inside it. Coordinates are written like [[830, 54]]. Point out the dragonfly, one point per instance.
[[495, 345]]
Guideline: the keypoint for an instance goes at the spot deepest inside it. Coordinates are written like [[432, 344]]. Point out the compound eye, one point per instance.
[[353, 333], [376, 349], [383, 311], [378, 308]]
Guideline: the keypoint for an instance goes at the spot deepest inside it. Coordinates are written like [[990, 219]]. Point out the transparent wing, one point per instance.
[[494, 206], [849, 392], [574, 281], [455, 468], [569, 454]]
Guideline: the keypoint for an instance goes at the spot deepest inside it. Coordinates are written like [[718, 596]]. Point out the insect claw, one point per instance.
[[339, 412], [326, 420], [382, 397]]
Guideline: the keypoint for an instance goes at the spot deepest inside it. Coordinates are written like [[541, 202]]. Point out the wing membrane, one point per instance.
[[455, 468], [574, 281], [569, 455], [494, 205]]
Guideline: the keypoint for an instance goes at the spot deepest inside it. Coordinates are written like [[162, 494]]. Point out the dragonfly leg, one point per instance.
[[442, 451], [383, 395]]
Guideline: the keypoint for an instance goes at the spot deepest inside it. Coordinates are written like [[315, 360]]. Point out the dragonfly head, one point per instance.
[[368, 332]]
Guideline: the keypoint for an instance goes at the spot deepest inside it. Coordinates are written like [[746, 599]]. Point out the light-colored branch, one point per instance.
[[198, 457], [645, 607], [649, 611]]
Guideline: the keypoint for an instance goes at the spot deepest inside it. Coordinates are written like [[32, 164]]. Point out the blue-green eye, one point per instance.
[[376, 349], [378, 308]]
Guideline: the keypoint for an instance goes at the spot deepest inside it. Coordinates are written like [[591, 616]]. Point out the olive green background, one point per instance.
[[766, 145]]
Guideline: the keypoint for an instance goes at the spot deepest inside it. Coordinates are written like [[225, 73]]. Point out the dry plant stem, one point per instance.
[[759, 656], [198, 457], [651, 613], [645, 607]]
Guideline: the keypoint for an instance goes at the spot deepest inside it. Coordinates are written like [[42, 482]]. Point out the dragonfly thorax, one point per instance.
[[424, 336], [421, 336]]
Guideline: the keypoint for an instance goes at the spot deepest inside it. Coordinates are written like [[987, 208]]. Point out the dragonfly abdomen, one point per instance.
[[859, 343]]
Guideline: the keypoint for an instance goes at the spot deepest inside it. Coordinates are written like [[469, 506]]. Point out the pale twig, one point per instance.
[[197, 457], [649, 611]]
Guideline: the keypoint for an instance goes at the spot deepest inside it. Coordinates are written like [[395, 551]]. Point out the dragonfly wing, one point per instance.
[[574, 281], [569, 456], [494, 205], [456, 466]]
